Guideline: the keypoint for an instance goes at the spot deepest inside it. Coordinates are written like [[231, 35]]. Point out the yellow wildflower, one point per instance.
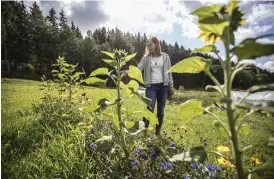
[[225, 162], [255, 161], [223, 149]]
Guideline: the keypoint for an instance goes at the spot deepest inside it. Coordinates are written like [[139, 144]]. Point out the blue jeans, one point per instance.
[[157, 92]]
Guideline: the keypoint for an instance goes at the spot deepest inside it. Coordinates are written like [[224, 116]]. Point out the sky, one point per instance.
[[168, 20]]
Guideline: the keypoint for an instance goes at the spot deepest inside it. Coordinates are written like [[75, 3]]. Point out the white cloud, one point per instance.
[[188, 22], [144, 16], [243, 33], [269, 66], [265, 41], [261, 15], [66, 5], [259, 20]]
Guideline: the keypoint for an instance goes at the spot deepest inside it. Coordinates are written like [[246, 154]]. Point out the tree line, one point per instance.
[[31, 43]]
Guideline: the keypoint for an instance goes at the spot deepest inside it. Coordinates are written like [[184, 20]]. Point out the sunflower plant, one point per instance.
[[220, 22]]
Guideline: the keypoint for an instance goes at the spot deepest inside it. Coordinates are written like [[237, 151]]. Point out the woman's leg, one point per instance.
[[151, 94], [162, 94]]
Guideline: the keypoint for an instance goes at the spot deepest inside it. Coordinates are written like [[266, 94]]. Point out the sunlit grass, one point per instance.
[[22, 142]]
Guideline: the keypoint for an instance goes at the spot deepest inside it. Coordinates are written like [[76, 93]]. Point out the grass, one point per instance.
[[24, 141]]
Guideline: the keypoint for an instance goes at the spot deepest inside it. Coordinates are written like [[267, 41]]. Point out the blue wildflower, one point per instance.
[[134, 163], [169, 165], [138, 150], [217, 168], [155, 155], [144, 157], [110, 123], [186, 177], [172, 144], [194, 165], [213, 175], [147, 174], [152, 137], [92, 145], [210, 167], [162, 165]]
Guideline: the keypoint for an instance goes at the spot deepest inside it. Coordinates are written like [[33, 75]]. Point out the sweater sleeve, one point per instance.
[[170, 74], [141, 64]]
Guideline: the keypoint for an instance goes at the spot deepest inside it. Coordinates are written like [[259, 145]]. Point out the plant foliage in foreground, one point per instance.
[[220, 22]]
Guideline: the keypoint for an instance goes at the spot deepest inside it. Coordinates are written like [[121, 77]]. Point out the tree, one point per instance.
[[73, 28], [63, 19], [52, 17]]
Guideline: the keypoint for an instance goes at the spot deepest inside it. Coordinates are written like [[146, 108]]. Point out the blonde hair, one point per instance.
[[158, 51]]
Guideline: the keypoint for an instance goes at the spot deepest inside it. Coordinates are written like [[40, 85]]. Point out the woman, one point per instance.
[[157, 80]]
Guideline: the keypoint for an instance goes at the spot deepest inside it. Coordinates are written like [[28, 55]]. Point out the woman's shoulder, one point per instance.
[[164, 54]]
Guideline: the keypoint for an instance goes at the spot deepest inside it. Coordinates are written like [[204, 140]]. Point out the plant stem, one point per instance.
[[231, 121], [221, 122], [119, 105], [216, 82]]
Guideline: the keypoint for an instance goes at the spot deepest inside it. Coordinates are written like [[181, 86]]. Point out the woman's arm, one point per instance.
[[141, 64], [170, 74]]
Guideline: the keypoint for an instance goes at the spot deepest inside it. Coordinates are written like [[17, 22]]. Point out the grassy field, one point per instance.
[[22, 142]]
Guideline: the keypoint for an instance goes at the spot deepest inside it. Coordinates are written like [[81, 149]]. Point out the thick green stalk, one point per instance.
[[119, 105], [231, 120]]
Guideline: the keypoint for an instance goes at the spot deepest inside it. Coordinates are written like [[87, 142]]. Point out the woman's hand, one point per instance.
[[172, 91]]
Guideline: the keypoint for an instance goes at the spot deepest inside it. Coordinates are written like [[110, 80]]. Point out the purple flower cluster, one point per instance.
[[211, 167], [92, 145], [155, 155], [138, 150], [172, 144], [167, 165], [134, 163], [194, 165]]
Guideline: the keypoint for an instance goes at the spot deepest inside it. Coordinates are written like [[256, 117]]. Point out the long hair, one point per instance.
[[158, 51]]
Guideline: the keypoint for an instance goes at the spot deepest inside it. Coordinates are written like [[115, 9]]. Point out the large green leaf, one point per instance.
[[136, 128], [146, 100], [135, 73], [150, 116], [116, 121], [122, 85], [265, 107], [95, 81], [111, 63], [77, 75], [196, 153], [129, 124], [99, 71], [260, 88], [220, 128], [191, 65], [111, 55], [206, 49], [250, 49], [126, 92], [231, 6], [133, 85], [190, 109], [217, 28], [245, 129], [128, 58], [206, 11]]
